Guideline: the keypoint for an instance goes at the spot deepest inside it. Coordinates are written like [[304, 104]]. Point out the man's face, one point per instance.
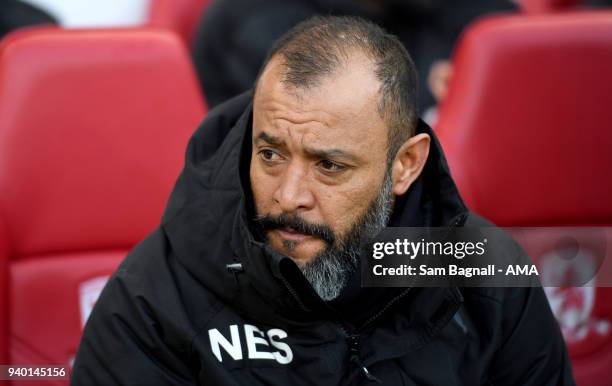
[[319, 157]]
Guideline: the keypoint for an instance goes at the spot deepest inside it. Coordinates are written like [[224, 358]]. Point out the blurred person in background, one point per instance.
[[598, 3], [15, 14], [234, 36]]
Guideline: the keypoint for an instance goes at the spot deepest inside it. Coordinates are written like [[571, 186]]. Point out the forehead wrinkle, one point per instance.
[[300, 125], [298, 115], [279, 105]]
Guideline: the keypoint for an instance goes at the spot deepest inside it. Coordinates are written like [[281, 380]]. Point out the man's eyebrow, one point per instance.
[[315, 153], [331, 153], [272, 140]]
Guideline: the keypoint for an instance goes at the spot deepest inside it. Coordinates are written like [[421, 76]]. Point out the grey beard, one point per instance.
[[329, 272]]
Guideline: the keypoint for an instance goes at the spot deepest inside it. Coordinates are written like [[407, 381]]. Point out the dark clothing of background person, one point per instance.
[[15, 14], [203, 276], [234, 36], [598, 3]]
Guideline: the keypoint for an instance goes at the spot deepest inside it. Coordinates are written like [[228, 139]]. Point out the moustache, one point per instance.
[[284, 220]]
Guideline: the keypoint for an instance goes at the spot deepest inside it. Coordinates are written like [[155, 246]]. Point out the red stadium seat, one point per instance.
[[181, 16], [93, 127], [526, 130], [540, 6]]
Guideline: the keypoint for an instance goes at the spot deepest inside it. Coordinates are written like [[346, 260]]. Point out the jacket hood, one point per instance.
[[207, 225]]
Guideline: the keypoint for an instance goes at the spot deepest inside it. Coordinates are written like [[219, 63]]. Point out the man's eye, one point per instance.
[[331, 166], [269, 155]]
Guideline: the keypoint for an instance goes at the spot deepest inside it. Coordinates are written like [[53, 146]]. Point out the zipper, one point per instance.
[[384, 309], [354, 346], [353, 338], [293, 293]]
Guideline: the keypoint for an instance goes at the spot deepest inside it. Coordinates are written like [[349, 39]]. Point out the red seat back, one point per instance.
[[93, 127], [528, 117], [526, 130]]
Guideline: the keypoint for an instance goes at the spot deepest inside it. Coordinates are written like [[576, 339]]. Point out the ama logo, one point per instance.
[[259, 344]]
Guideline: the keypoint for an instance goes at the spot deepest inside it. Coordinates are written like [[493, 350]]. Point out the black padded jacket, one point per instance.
[[202, 301]]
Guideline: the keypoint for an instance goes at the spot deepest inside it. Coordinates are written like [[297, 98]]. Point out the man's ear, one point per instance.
[[409, 162]]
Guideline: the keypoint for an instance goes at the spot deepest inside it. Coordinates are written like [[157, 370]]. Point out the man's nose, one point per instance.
[[293, 193]]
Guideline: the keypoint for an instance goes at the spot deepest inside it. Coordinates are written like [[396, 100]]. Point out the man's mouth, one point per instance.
[[291, 234], [293, 229]]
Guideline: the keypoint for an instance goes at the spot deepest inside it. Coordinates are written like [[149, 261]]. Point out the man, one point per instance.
[[252, 277]]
